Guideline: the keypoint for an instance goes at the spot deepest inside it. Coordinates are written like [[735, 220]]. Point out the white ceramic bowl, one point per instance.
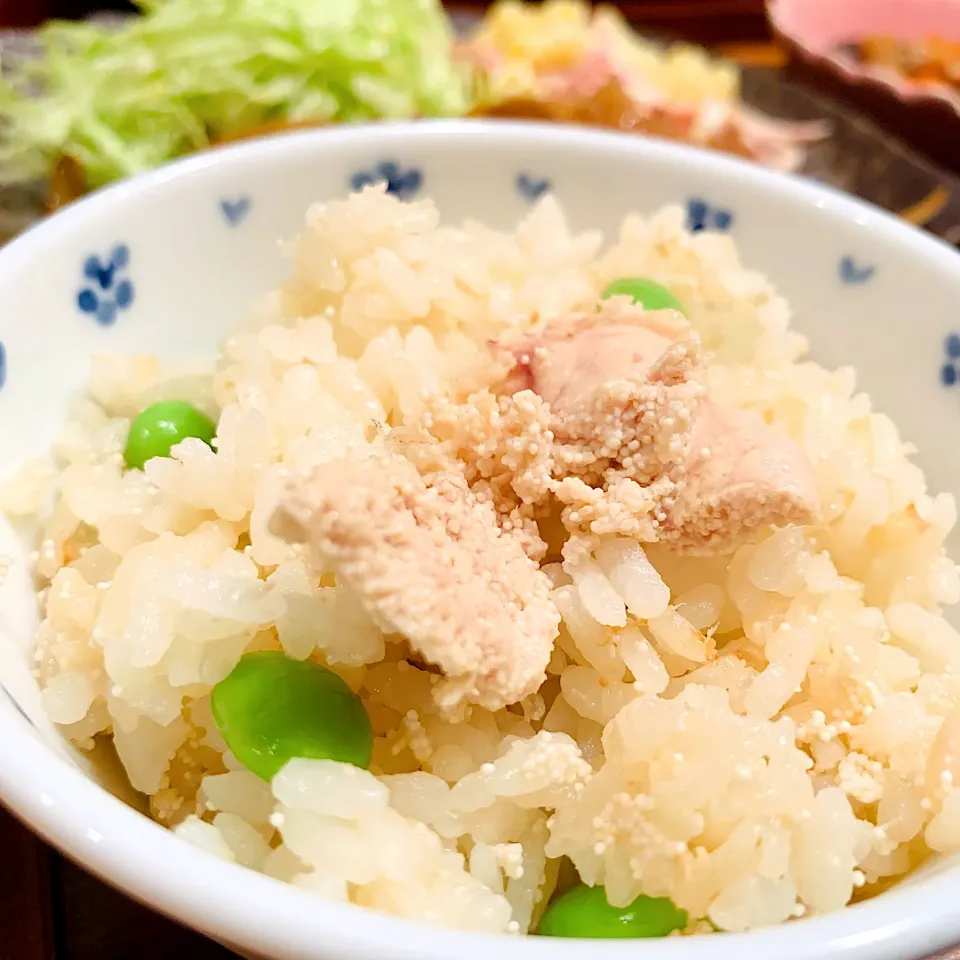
[[169, 262]]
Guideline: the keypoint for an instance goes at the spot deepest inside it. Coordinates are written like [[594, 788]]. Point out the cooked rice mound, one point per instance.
[[765, 731]]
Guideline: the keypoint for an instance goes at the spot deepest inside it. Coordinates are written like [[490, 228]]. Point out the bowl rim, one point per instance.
[[254, 912]]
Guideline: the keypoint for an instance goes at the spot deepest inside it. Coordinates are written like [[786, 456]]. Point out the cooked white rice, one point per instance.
[[757, 736]]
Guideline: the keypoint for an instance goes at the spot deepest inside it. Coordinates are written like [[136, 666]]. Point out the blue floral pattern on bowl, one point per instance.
[[950, 370], [702, 216], [532, 188], [107, 291], [853, 273], [403, 183], [235, 209]]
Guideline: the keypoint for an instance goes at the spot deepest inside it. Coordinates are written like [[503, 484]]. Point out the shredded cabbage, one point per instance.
[[190, 72]]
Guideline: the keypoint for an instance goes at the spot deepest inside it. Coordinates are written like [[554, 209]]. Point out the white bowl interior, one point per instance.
[[199, 242]]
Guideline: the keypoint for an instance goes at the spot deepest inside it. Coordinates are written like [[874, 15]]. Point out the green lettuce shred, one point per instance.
[[120, 100]]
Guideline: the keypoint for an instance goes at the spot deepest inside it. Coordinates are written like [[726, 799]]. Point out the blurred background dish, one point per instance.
[[188, 84], [896, 60], [556, 61], [566, 62]]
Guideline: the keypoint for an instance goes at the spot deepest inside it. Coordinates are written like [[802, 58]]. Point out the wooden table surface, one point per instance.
[[52, 910]]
